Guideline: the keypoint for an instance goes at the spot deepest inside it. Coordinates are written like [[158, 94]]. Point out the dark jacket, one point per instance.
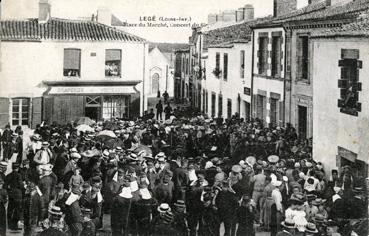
[[73, 213], [120, 212], [227, 204], [34, 208]]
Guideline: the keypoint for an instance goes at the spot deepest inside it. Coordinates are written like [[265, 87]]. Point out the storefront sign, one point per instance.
[[347, 154], [93, 90], [247, 91]]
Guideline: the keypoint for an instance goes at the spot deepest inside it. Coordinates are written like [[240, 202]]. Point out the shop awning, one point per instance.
[[91, 87]]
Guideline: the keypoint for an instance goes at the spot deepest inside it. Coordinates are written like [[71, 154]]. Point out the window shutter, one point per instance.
[[299, 57], [4, 111], [48, 110], [36, 111], [72, 59], [113, 55], [281, 113], [254, 105]]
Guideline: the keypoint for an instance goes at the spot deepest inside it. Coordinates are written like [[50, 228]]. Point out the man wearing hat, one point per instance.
[[73, 213], [47, 182], [43, 156], [180, 218], [55, 225], [6, 139], [3, 167], [357, 205], [3, 201], [162, 224], [14, 186], [34, 209], [121, 210], [277, 208]]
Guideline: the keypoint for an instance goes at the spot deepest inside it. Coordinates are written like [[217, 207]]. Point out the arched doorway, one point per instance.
[[155, 83]]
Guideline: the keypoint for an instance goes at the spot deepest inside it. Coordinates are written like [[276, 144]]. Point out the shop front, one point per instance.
[[64, 102]]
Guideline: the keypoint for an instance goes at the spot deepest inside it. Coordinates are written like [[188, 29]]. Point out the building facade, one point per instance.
[[161, 73], [182, 75], [65, 69], [227, 87], [341, 96]]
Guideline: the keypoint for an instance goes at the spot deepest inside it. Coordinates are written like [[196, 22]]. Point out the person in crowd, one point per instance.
[[34, 209], [4, 198], [55, 225], [14, 186], [6, 139], [189, 175], [159, 110], [168, 111], [245, 217]]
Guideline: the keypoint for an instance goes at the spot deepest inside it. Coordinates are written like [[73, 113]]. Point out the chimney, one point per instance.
[[282, 7], [337, 2], [240, 14], [229, 16], [44, 10], [212, 18], [104, 16], [249, 12]]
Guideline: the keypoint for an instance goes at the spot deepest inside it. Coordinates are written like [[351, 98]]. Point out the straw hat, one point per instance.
[[273, 158], [55, 211], [288, 223], [164, 207], [180, 204], [311, 228], [236, 168]]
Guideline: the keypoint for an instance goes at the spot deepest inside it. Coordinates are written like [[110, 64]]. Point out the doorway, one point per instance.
[[247, 109], [302, 121], [93, 113]]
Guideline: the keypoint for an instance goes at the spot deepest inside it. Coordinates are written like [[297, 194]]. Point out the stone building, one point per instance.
[[341, 96], [64, 69]]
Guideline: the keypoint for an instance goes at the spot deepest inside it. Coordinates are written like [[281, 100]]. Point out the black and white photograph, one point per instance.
[[184, 117]]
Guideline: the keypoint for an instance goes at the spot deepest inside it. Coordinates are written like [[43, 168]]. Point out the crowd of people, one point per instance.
[[181, 176]]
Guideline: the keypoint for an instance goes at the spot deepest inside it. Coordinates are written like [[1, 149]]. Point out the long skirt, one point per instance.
[[267, 212]]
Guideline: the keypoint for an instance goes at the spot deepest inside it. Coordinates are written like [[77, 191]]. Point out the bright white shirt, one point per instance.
[[277, 197]]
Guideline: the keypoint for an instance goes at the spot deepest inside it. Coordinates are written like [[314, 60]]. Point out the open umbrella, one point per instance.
[[113, 143], [84, 121], [105, 135], [143, 148], [85, 128]]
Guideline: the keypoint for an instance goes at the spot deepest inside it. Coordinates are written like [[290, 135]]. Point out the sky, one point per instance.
[[196, 11]]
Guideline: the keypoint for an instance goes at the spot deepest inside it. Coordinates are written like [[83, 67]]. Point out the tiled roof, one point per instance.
[[349, 10], [240, 31], [359, 28], [319, 11], [62, 29]]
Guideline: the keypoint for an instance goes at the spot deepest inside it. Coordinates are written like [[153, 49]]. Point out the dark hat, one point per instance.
[[15, 165], [180, 203], [96, 180], [310, 197], [319, 218], [318, 201]]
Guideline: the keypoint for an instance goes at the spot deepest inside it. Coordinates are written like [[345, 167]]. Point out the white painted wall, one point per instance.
[[234, 85], [331, 127], [26, 64]]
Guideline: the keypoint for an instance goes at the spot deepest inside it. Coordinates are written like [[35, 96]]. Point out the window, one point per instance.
[[229, 108], [225, 66], [115, 106], [302, 57], [20, 111], [155, 83], [276, 56], [260, 106], [72, 62], [349, 83], [113, 61], [220, 105], [273, 111], [263, 55], [206, 102], [213, 98], [242, 64], [217, 64]]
